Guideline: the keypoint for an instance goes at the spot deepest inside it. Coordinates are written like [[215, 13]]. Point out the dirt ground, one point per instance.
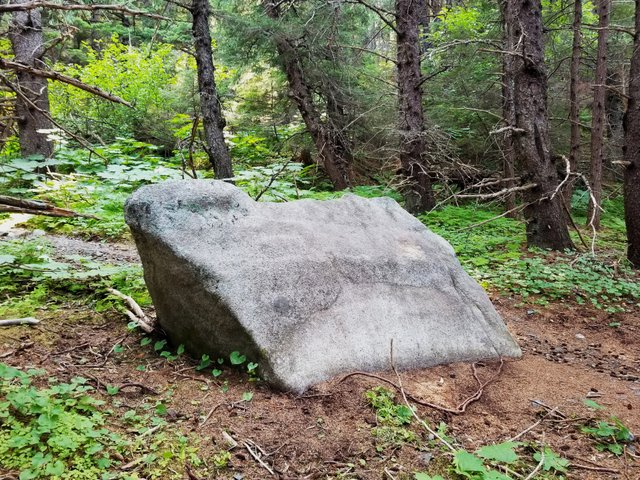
[[569, 353]]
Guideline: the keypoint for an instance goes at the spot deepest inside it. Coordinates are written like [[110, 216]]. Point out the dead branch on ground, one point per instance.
[[137, 315], [19, 321], [36, 207]]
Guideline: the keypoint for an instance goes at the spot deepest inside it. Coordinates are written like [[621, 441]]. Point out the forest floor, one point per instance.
[[570, 353]]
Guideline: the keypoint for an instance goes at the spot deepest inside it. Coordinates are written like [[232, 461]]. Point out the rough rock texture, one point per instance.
[[309, 289]]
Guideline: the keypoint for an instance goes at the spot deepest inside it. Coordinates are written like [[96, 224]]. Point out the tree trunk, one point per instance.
[[508, 114], [574, 104], [631, 151], [419, 192], [212, 118], [333, 150], [546, 222], [32, 101], [598, 115]]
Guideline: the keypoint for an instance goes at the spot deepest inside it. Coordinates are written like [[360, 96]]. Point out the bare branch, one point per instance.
[[24, 7], [52, 75], [502, 192]]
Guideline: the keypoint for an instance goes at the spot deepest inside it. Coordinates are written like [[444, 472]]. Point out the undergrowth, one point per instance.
[[493, 250], [31, 278], [58, 430], [495, 254], [502, 461]]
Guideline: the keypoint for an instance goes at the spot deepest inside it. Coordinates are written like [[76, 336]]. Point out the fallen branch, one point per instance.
[[535, 471], [36, 207], [258, 458], [139, 317], [508, 128], [19, 321], [52, 75], [502, 192], [206, 419]]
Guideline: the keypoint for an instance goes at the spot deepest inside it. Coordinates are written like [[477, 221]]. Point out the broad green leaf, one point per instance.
[[6, 259], [466, 462], [236, 358], [425, 476], [247, 396], [551, 460], [502, 452], [493, 475]]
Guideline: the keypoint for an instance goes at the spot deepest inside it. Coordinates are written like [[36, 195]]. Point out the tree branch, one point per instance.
[[52, 75], [24, 7]]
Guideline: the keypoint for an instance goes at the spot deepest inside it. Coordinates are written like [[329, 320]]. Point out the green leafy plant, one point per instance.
[[52, 431], [495, 254], [392, 419], [609, 435]]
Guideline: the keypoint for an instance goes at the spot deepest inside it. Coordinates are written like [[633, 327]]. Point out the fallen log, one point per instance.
[[36, 207]]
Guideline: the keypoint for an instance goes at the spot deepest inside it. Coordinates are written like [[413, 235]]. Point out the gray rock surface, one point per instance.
[[309, 289]]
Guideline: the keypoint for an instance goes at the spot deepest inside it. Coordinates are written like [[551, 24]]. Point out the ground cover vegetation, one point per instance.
[[513, 136]]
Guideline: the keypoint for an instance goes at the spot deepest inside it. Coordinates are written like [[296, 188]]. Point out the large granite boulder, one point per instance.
[[309, 289]]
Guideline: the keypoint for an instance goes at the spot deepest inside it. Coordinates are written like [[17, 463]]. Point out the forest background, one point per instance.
[[510, 128]]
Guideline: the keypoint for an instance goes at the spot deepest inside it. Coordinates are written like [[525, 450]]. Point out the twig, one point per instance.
[[460, 409], [152, 430], [535, 471], [258, 458], [595, 469], [413, 412], [19, 321], [139, 317], [206, 419], [190, 473], [142, 387], [534, 425], [273, 179]]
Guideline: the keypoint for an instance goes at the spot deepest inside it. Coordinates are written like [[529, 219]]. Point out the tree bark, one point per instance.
[[32, 105], [546, 222], [574, 104], [419, 193], [212, 118], [333, 150], [508, 114], [631, 151], [598, 115]]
